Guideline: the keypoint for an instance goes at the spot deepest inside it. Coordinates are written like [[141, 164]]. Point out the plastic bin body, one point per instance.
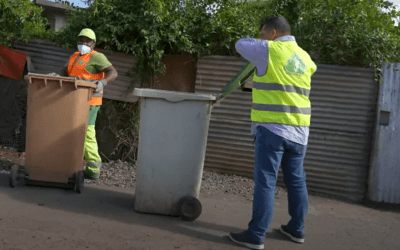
[[172, 143], [57, 114]]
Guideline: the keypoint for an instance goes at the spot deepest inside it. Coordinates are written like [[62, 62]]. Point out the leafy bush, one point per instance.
[[21, 20], [216, 25], [149, 29], [345, 32]]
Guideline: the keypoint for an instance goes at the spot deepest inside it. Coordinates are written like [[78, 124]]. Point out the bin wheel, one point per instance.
[[79, 182], [15, 175], [189, 208]]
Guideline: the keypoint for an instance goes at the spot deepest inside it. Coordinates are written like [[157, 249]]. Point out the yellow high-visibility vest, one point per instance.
[[282, 95]]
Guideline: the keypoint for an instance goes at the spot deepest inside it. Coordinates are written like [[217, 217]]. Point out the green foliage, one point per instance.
[[346, 32], [287, 8], [21, 20], [216, 33], [133, 27], [149, 29]]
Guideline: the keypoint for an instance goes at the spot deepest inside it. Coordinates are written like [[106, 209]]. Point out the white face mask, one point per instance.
[[84, 49]]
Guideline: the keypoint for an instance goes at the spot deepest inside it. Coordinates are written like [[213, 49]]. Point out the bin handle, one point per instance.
[[217, 102], [89, 95]]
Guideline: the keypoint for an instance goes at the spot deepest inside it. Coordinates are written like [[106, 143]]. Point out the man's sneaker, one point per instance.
[[293, 237], [245, 239], [91, 173]]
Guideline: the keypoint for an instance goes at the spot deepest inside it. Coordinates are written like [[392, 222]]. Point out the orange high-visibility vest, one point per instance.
[[77, 68]]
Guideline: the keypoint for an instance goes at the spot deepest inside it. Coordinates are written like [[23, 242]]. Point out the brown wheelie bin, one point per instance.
[[57, 115]]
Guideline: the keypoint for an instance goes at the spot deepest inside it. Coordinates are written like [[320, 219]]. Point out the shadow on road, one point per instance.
[[381, 206], [117, 206]]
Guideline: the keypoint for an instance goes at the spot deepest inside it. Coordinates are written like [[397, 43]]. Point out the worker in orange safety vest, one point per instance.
[[87, 64]]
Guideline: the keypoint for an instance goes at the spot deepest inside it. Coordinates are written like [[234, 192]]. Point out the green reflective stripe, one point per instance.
[[281, 87], [280, 118], [281, 108]]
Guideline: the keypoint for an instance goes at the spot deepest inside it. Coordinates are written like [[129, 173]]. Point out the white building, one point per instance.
[[55, 12]]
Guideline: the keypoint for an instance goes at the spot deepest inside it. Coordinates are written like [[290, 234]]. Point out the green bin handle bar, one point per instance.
[[239, 79]]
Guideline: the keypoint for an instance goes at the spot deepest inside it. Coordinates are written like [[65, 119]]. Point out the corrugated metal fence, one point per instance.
[[384, 179], [47, 58], [343, 116]]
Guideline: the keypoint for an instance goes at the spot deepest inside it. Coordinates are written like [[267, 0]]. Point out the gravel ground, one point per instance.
[[123, 175]]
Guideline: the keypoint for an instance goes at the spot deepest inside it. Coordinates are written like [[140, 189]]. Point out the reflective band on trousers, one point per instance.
[[277, 86], [281, 108]]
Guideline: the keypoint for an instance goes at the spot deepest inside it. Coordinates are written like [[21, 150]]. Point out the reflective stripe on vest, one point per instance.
[[281, 108], [282, 94], [277, 86], [77, 68]]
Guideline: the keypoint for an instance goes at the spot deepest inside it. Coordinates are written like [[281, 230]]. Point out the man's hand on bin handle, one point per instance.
[[100, 85]]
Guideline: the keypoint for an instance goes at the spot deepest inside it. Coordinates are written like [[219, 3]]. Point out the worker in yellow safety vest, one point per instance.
[[87, 64], [280, 114]]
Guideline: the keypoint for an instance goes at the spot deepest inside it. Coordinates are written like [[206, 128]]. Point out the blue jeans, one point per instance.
[[272, 151]]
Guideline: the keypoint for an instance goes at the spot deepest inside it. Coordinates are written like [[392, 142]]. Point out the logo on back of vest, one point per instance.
[[295, 66], [80, 62]]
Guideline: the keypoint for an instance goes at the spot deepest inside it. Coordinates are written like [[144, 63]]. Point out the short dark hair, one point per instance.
[[277, 22]]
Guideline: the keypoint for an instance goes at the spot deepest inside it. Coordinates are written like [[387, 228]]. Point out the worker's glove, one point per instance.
[[100, 85], [53, 74]]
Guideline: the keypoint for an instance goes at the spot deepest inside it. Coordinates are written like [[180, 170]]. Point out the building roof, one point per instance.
[[51, 5]]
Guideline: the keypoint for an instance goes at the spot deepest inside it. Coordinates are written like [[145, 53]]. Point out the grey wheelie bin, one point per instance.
[[172, 144]]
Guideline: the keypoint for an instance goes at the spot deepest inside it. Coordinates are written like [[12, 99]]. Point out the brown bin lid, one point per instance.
[[63, 79]]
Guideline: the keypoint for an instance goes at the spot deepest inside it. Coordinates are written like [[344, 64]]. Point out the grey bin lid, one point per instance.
[[172, 96]]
